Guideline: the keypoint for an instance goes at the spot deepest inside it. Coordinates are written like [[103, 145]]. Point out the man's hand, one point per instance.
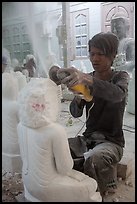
[[75, 77]]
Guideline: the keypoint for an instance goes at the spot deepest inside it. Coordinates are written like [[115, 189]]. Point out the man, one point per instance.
[[126, 51], [103, 135]]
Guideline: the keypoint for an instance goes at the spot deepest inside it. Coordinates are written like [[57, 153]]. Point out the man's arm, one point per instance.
[[77, 106], [113, 91]]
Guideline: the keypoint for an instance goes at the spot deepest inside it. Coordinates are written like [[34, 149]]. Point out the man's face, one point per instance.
[[99, 60]]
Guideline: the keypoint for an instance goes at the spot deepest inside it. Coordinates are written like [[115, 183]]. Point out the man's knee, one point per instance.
[[98, 160], [92, 162]]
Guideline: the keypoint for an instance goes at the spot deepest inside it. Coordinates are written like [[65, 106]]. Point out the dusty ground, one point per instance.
[[12, 184]]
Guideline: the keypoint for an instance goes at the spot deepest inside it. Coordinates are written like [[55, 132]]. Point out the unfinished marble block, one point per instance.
[[11, 160], [22, 81], [124, 168]]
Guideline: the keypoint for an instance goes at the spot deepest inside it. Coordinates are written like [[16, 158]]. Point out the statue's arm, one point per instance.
[[128, 66], [61, 151], [130, 51], [79, 176]]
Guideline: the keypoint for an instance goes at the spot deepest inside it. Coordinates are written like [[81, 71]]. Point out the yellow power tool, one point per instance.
[[79, 88]]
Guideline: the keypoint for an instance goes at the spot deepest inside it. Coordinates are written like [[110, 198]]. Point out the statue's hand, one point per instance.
[[79, 176]]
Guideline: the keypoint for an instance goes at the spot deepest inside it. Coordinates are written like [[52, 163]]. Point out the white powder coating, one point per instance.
[[39, 103]]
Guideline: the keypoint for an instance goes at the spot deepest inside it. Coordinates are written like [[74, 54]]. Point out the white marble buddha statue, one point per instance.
[[125, 58], [47, 163], [26, 74], [11, 160], [22, 81]]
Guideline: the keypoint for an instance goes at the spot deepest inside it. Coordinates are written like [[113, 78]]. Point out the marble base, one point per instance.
[[11, 163]]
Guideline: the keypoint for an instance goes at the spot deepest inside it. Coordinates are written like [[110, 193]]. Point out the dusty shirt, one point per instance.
[[106, 116]]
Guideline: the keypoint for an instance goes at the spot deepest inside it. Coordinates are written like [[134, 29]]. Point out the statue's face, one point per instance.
[[39, 103], [119, 28]]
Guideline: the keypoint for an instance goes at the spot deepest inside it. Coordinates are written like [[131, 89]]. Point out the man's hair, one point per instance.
[[106, 42]]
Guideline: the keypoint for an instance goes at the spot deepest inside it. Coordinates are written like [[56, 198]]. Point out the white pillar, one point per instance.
[[66, 33], [131, 94]]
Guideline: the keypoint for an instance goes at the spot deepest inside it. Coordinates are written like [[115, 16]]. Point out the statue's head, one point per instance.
[[120, 25], [38, 103], [14, 63], [30, 57]]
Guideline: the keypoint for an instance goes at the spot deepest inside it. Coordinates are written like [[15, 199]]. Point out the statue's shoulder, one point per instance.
[[128, 40], [125, 44], [58, 127]]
